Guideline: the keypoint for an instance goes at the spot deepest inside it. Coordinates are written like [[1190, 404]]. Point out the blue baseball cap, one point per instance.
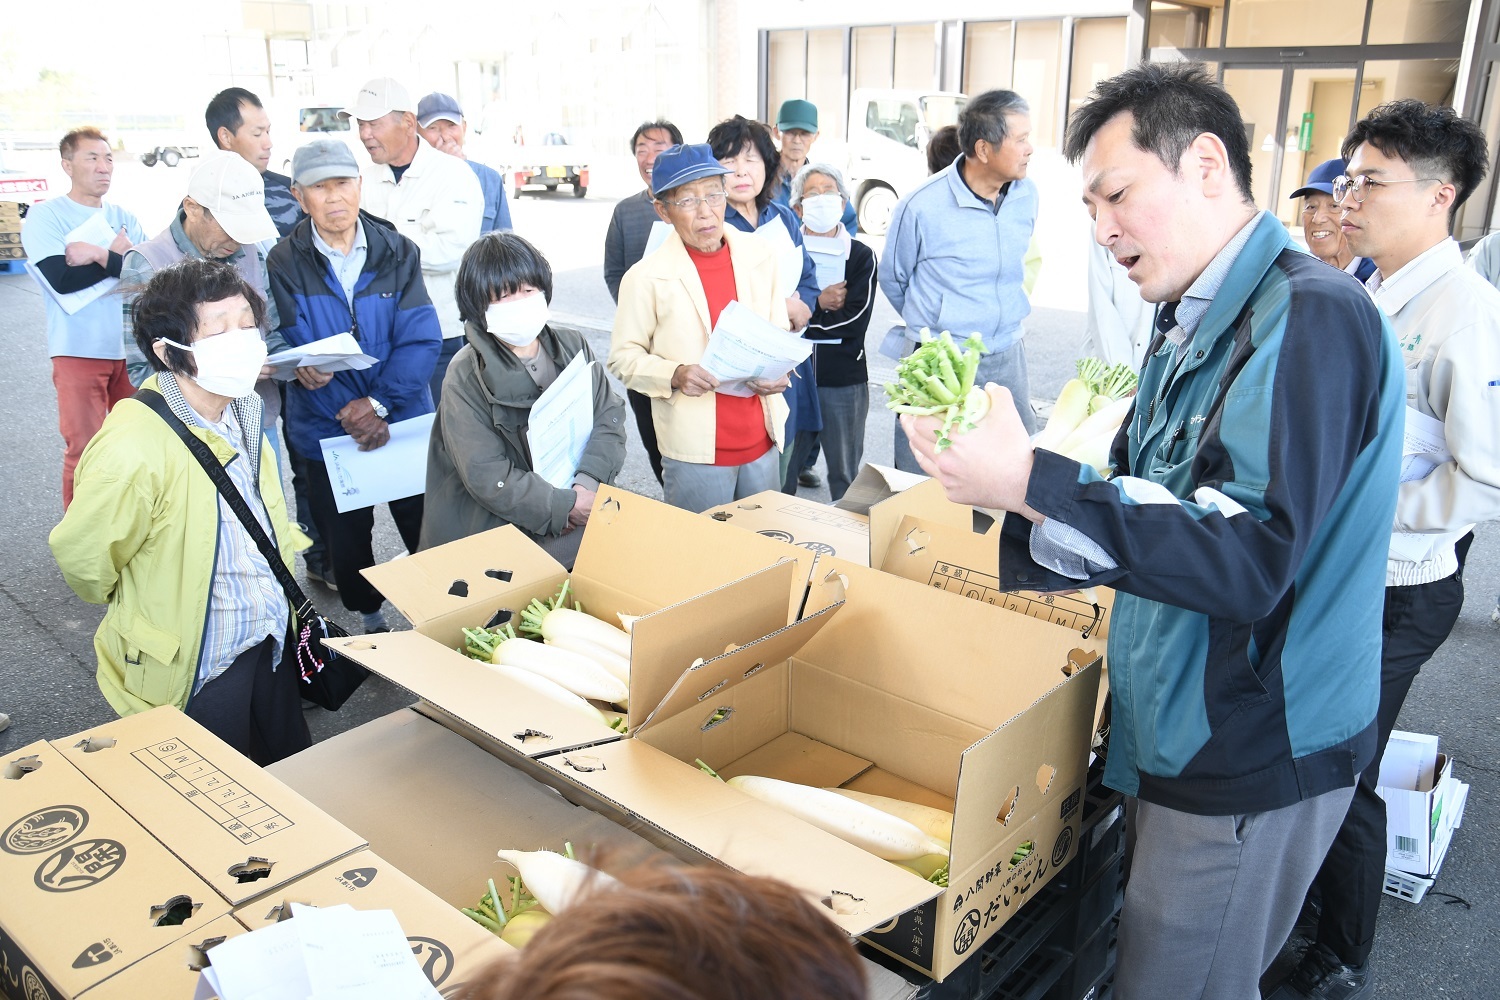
[[683, 164], [1321, 179], [439, 105]]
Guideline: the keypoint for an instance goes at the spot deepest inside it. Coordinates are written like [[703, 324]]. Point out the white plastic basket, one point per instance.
[[1408, 887]]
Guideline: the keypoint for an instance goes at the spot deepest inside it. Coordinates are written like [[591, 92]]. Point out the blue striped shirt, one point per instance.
[[246, 603]]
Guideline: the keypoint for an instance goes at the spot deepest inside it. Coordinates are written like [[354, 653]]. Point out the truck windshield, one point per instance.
[[321, 120], [939, 110]]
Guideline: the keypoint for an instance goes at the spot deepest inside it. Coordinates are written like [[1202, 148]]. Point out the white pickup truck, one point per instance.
[[887, 147]]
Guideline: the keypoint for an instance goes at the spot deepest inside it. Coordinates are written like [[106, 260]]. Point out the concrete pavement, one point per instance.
[[1442, 947]]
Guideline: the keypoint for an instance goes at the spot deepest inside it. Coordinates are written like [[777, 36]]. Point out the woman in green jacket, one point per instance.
[[196, 619], [481, 473]]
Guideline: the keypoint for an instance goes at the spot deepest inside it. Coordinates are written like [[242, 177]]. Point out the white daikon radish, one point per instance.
[[936, 823], [553, 623], [617, 665], [880, 833], [553, 879], [627, 622], [552, 691], [1098, 422], [585, 677]]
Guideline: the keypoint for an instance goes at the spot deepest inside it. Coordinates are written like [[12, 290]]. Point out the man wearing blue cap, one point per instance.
[[715, 447], [441, 122], [1320, 221]]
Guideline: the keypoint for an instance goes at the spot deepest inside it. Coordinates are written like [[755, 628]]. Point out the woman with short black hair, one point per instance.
[[196, 617], [480, 469]]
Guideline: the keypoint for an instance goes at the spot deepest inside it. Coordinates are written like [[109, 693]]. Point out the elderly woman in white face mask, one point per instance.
[[480, 469], [196, 616]]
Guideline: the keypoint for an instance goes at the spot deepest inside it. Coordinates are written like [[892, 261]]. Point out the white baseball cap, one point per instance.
[[378, 98], [234, 194]]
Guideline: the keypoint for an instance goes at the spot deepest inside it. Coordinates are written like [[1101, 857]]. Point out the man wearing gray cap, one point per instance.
[[344, 270], [223, 217], [441, 122], [433, 200]]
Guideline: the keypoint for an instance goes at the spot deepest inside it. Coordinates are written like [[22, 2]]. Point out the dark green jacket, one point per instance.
[[479, 463]]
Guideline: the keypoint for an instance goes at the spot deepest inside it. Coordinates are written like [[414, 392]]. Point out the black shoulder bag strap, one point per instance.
[[310, 661]]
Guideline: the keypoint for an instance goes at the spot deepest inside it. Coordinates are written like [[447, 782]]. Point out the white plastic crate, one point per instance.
[[1408, 887]]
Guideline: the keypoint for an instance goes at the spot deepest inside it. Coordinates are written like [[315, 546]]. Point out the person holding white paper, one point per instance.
[[88, 360], [842, 316], [746, 149], [715, 447], [481, 472], [196, 618], [344, 270]]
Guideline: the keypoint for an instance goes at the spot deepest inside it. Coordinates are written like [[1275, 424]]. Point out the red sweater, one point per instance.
[[739, 423]]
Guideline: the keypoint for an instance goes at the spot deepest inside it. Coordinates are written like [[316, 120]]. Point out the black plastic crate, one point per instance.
[[1036, 977], [1105, 843], [1090, 975], [1095, 905]]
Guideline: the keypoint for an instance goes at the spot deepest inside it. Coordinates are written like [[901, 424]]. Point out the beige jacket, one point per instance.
[[662, 322]]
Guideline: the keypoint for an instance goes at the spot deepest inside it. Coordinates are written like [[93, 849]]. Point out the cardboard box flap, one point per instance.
[[925, 500], [172, 971], [463, 583], [860, 890], [672, 554], [242, 831], [810, 527], [1030, 767], [953, 558], [702, 680], [517, 717], [87, 890], [667, 646], [874, 484]]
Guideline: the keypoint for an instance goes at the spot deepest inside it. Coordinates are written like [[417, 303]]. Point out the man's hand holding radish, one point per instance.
[[987, 465]]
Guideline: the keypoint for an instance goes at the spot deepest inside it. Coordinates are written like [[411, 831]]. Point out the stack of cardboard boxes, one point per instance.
[[10, 236]]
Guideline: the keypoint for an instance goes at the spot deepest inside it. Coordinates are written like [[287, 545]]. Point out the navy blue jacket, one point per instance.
[[1255, 489], [393, 320]]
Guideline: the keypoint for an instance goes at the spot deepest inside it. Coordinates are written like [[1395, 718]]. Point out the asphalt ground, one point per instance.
[[1444, 947]]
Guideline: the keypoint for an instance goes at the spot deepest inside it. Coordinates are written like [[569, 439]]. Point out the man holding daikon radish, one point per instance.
[[1410, 165], [1244, 654]]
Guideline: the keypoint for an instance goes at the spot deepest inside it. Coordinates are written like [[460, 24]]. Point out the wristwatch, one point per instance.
[[378, 407]]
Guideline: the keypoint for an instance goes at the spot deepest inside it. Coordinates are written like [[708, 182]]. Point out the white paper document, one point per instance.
[[561, 421], [96, 230], [319, 954], [789, 257], [339, 353], [829, 256], [394, 471], [743, 347], [1424, 446], [657, 236]]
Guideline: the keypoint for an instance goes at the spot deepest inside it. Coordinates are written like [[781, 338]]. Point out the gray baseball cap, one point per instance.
[[322, 159]]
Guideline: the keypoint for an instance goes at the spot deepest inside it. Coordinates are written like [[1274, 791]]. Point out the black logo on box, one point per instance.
[[967, 933], [44, 829], [1070, 803], [33, 986], [95, 954], [435, 958], [80, 865], [1060, 849], [358, 878]]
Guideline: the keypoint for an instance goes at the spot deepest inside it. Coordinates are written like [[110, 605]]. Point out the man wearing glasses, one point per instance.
[[1410, 165]]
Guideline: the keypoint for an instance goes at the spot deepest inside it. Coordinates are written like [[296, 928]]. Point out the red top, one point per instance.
[[739, 423]]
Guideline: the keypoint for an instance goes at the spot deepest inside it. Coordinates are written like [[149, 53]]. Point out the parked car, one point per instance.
[[293, 128], [887, 144], [548, 165], [168, 155]]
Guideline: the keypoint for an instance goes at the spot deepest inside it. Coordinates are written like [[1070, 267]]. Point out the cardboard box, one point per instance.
[[449, 947], [636, 557], [87, 891], [10, 212], [1424, 803], [244, 832], [172, 973], [9, 252], [899, 694], [11, 237]]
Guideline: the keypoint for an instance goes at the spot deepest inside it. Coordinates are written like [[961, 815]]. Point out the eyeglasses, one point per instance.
[[690, 204], [1343, 185]]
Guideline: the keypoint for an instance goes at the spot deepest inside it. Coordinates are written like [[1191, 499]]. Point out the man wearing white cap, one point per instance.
[[223, 217], [431, 198]]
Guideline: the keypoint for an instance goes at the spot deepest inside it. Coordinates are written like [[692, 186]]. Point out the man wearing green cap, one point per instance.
[[795, 131]]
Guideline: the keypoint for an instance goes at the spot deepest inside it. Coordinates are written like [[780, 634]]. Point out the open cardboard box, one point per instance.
[[241, 830], [88, 892], [697, 593], [171, 972], [899, 694], [1424, 803]]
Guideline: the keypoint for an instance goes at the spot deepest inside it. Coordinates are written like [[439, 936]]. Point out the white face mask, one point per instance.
[[228, 363], [517, 322], [822, 212]]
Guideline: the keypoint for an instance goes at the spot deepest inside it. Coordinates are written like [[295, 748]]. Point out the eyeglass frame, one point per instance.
[[691, 202], [1360, 182]]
